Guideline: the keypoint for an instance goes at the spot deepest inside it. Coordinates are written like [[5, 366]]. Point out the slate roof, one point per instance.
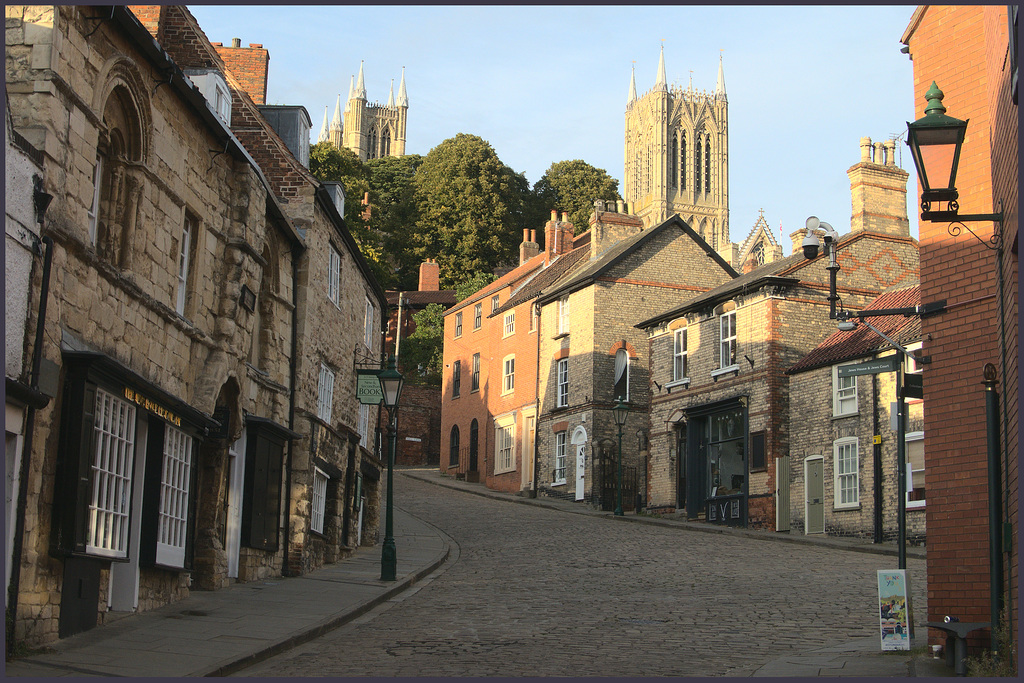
[[418, 299], [547, 276], [862, 341], [517, 273]]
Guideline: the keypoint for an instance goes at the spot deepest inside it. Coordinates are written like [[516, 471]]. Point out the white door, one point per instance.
[[236, 484], [123, 595], [579, 440]]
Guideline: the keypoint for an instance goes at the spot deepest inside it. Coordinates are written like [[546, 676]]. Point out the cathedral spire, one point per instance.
[[336, 121], [661, 85], [391, 95], [403, 99], [323, 129], [351, 92], [360, 85], [632, 86], [720, 86]]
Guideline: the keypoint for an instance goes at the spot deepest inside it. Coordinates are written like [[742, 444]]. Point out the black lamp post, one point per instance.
[[391, 385], [620, 411]]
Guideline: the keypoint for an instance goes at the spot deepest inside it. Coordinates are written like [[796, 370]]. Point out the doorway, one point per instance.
[[814, 495], [579, 440]]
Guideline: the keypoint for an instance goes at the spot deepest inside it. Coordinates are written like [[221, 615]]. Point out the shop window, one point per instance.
[[915, 469], [847, 473], [261, 511], [319, 502], [726, 462], [110, 503], [563, 383], [558, 477]]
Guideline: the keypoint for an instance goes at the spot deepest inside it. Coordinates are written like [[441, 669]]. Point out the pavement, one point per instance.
[[216, 633]]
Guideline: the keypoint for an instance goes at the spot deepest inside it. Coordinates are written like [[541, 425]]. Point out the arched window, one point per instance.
[[371, 148], [697, 152], [621, 375], [453, 452], [120, 184], [672, 157], [682, 162], [385, 143], [707, 164]]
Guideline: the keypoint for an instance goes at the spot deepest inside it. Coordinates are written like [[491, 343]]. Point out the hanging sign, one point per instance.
[[368, 388], [871, 367], [894, 609]]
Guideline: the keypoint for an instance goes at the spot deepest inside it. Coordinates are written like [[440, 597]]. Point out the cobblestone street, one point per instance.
[[530, 591]]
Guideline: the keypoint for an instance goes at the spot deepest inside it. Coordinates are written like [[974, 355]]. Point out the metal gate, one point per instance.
[[609, 485]]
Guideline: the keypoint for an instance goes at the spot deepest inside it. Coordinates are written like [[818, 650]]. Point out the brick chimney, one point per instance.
[[529, 248], [558, 235], [878, 190], [430, 276], [249, 66], [607, 228]]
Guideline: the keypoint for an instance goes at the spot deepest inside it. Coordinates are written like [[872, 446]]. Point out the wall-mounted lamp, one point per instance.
[[935, 142]]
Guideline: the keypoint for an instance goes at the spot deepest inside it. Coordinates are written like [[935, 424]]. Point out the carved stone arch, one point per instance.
[[122, 75]]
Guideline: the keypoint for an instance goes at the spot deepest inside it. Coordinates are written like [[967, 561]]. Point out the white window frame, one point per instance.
[[561, 439], [843, 476], [478, 315], [369, 316], [563, 315], [562, 398], [475, 383], [508, 374], [175, 477], [504, 446], [914, 437], [844, 394], [112, 466], [325, 394], [510, 324], [727, 340], [188, 230], [319, 500], [94, 210], [495, 302], [458, 324], [334, 276], [679, 356]]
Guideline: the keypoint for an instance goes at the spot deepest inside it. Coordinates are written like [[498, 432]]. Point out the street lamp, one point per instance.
[[620, 411], [391, 386]]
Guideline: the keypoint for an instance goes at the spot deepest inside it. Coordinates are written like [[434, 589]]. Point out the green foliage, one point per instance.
[[394, 214], [327, 162], [1002, 662], [472, 282], [472, 208], [421, 352], [572, 187]]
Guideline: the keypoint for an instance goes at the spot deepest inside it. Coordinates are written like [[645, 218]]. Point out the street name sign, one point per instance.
[[871, 367]]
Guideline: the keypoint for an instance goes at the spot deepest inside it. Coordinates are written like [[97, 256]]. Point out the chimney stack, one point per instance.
[[529, 248], [878, 191], [429, 276], [558, 235], [249, 66]]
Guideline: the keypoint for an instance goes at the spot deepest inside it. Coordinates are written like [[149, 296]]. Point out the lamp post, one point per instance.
[[620, 411], [391, 385]]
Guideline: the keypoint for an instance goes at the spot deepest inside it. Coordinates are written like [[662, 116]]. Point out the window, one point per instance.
[[563, 383], [621, 375], [915, 469], [184, 258], [844, 394], [508, 376], [494, 303], [364, 425], [325, 398], [558, 476], [727, 336], [682, 162], [111, 476], [368, 325], [679, 368], [94, 210], [510, 323], [175, 476], [847, 468], [504, 445], [696, 163], [453, 447], [334, 276], [477, 316], [757, 454], [726, 453], [458, 324], [563, 315], [476, 373], [456, 378], [316, 520]]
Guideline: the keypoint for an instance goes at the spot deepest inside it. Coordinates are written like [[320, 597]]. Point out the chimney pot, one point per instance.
[[554, 215], [565, 217], [618, 205], [236, 42]]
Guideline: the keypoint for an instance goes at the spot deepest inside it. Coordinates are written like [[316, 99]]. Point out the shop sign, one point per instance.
[[151, 406], [368, 388], [894, 609]]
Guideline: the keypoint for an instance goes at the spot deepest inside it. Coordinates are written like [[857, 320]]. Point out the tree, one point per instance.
[[472, 283], [327, 162], [393, 214], [471, 208], [572, 187], [422, 351]]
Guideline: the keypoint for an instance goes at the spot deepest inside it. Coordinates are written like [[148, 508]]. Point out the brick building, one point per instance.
[[842, 481], [419, 427], [970, 52], [720, 402]]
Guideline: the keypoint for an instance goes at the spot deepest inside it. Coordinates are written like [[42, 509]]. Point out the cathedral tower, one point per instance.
[[677, 156], [374, 130]]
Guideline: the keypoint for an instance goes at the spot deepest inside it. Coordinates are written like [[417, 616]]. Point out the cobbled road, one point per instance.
[[537, 592]]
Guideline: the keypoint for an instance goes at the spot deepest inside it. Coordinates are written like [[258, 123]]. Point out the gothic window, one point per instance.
[[120, 184], [757, 254], [385, 143], [682, 162], [707, 164], [371, 150], [673, 153], [696, 166]]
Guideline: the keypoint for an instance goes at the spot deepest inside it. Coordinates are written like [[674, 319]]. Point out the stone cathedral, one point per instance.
[[371, 130], [677, 157]]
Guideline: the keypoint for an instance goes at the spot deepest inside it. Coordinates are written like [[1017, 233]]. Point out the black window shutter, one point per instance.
[[757, 451], [151, 493]]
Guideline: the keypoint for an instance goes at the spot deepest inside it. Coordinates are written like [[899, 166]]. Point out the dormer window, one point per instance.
[[215, 89]]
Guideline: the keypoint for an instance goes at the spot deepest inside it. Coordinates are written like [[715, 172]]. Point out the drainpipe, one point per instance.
[[26, 452], [995, 546], [878, 535], [292, 372], [1007, 537], [536, 420]]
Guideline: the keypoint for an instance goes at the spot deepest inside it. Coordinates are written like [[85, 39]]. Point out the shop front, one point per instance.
[[714, 470]]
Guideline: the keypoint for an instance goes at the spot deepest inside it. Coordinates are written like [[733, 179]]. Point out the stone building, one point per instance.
[[970, 52], [843, 481], [371, 130], [156, 239], [677, 157], [720, 403]]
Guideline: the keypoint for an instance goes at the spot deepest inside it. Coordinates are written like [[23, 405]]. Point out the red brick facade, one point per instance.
[[964, 51]]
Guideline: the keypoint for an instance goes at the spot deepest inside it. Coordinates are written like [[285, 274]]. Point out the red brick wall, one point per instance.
[[948, 46], [249, 65], [419, 426]]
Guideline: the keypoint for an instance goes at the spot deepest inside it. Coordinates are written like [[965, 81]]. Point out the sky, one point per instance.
[[549, 84]]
